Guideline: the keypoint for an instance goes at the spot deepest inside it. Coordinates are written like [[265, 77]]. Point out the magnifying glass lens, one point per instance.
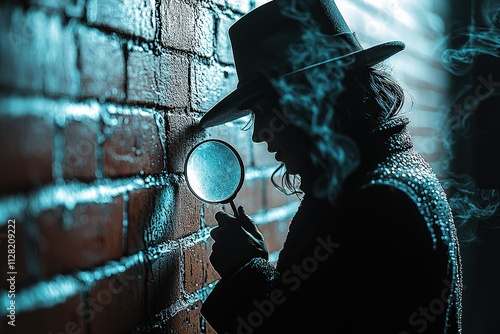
[[214, 172]]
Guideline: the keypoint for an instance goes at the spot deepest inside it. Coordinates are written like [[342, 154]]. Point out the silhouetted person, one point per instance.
[[372, 247]]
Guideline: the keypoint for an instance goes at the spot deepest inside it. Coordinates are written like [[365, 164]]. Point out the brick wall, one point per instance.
[[97, 99], [96, 103]]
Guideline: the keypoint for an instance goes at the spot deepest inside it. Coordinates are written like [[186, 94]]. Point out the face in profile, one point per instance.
[[287, 142]]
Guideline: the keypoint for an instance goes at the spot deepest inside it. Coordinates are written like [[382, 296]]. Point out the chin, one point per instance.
[[292, 170]]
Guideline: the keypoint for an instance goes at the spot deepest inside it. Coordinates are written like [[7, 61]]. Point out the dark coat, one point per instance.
[[383, 259]]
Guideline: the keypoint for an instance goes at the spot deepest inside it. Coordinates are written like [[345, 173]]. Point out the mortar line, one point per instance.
[[69, 194], [58, 289]]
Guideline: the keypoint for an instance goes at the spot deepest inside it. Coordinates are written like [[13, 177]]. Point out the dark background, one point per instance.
[[477, 151]]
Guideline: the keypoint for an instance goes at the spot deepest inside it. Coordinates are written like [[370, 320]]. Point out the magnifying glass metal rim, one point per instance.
[[242, 168]]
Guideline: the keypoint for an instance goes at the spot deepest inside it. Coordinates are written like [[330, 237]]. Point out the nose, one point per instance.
[[256, 138], [257, 130]]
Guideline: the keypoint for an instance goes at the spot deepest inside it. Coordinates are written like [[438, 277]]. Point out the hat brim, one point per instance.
[[229, 108]]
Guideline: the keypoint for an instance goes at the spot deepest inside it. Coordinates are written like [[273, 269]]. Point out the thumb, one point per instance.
[[223, 218]]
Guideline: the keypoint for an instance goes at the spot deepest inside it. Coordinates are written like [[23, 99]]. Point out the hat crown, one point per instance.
[[263, 39], [287, 38]]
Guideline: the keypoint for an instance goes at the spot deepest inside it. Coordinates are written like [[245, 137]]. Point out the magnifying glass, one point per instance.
[[214, 172]]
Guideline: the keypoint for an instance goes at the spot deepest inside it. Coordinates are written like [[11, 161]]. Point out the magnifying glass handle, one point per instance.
[[234, 208]]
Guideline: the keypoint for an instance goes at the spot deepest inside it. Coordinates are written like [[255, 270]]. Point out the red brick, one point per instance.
[[157, 79], [274, 197], [187, 212], [274, 234], [117, 303], [20, 256], [61, 318], [160, 228], [195, 264], [198, 270], [182, 136], [84, 237], [72, 8], [204, 31], [212, 275], [210, 83], [185, 321], [261, 157], [102, 65], [26, 143], [209, 211], [141, 206], [224, 50], [135, 18], [163, 281], [178, 22], [239, 6], [80, 142], [38, 53], [251, 196], [187, 26], [132, 145]]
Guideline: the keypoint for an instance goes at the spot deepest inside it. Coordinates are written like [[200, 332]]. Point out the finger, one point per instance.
[[244, 217], [221, 230], [215, 233], [223, 217]]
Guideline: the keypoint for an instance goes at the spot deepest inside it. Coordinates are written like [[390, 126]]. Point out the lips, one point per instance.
[[270, 150], [274, 151]]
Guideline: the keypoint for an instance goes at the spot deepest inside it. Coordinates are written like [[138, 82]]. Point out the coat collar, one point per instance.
[[392, 136]]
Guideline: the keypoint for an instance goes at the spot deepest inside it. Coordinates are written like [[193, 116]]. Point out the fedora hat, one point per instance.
[[262, 40]]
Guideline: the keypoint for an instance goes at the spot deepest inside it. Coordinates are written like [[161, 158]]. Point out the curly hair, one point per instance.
[[361, 99]]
